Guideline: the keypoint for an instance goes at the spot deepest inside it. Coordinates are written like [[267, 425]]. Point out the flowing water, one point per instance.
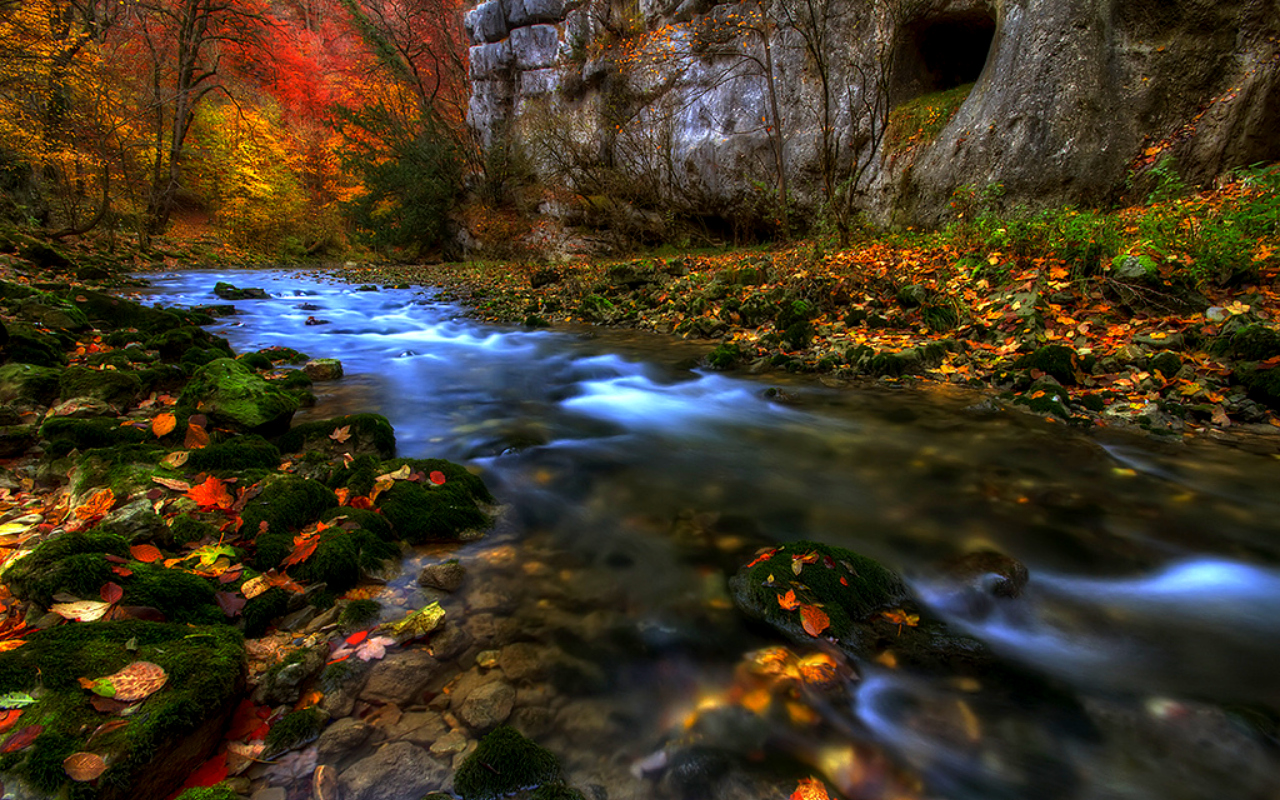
[[1147, 639]]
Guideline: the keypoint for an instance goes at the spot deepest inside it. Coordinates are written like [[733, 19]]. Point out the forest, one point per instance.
[[287, 129]]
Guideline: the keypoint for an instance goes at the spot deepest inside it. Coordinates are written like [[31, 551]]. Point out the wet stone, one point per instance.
[[422, 728], [488, 706], [524, 661], [396, 771], [449, 744], [341, 738], [323, 369], [449, 643], [400, 677], [446, 577]]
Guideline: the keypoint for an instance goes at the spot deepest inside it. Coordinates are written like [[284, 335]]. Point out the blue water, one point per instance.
[[1153, 611]]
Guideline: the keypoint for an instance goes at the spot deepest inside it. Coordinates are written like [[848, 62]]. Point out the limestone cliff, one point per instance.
[[690, 107]]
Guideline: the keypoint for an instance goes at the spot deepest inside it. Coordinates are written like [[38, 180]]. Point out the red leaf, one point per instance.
[[362, 502], [765, 556], [9, 718], [210, 773], [211, 494], [146, 553], [111, 592], [815, 620], [21, 739], [302, 550], [437, 477], [244, 722], [357, 637], [230, 603], [788, 601], [123, 572]]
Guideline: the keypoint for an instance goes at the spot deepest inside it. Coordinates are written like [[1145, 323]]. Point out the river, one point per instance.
[[635, 485]]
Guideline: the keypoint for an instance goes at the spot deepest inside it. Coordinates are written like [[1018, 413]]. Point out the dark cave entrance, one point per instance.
[[942, 52]]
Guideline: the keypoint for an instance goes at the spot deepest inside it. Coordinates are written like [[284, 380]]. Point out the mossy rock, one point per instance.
[[504, 763], [353, 518], [26, 346], [1057, 360], [178, 595], [286, 505], [726, 356], [1251, 343], [29, 384], [1263, 385], [227, 291], [368, 434], [233, 396], [256, 361], [595, 308], [342, 556], [174, 344], [185, 529], [115, 387], [126, 469], [1167, 364], [115, 313], [84, 434], [285, 355], [425, 512], [170, 733], [294, 730], [72, 563], [49, 311], [261, 611], [235, 455], [219, 791]]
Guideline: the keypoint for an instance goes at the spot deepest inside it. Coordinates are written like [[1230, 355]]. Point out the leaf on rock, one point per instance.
[[111, 592], [22, 739], [211, 494], [437, 477], [139, 680], [255, 586], [810, 789], [341, 435], [342, 494], [196, 437], [176, 459], [163, 424], [230, 603], [401, 474], [374, 648], [11, 644], [303, 548], [814, 619], [172, 483], [81, 610], [146, 553], [97, 505], [10, 718], [788, 601], [419, 623], [82, 767], [14, 700]]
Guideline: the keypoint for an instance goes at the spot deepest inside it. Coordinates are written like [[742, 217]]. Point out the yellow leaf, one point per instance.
[[163, 424]]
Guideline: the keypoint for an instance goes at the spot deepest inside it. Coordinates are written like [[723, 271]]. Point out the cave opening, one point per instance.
[[938, 53]]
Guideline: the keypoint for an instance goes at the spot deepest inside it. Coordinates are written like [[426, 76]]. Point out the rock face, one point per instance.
[[1068, 98]]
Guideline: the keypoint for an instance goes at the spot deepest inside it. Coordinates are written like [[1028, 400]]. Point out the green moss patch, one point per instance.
[[919, 121], [239, 453], [110, 386], [505, 763], [285, 505], [154, 751], [360, 433], [235, 397]]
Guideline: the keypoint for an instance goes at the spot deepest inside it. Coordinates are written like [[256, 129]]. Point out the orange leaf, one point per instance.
[[196, 437], [81, 767], [343, 494], [788, 601], [302, 550], [146, 553], [163, 424], [211, 494], [815, 620], [138, 680], [99, 504], [9, 718], [11, 644]]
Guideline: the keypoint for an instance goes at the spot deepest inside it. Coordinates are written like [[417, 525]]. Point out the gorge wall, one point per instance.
[[689, 107]]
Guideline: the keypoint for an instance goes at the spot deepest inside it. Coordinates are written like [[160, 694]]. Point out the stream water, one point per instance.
[[634, 486]]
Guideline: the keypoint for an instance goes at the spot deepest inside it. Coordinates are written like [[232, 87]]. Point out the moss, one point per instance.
[[205, 668], [180, 596], [173, 344], [342, 555], [294, 380], [125, 469], [72, 562], [1167, 364], [28, 383], [1250, 343], [220, 791], [114, 313], [1045, 404], [29, 347], [369, 520], [725, 356], [595, 308], [504, 763], [358, 612], [285, 355], [1057, 360], [939, 318], [1263, 385], [110, 386], [294, 730], [556, 791], [85, 434], [418, 514], [888, 364], [920, 120], [198, 357], [255, 361], [186, 529], [370, 433], [867, 587], [260, 611], [234, 396], [117, 359], [358, 476], [285, 505], [240, 453]]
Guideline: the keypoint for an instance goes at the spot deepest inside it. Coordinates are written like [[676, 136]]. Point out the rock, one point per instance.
[[395, 771], [488, 705], [525, 661], [1161, 341], [534, 47], [28, 385], [269, 793], [529, 12], [486, 22], [490, 60], [16, 439], [228, 292], [137, 522], [449, 643], [447, 576], [341, 739], [505, 762], [233, 396], [400, 677], [323, 369], [1057, 360], [423, 728], [451, 743], [356, 434], [285, 684]]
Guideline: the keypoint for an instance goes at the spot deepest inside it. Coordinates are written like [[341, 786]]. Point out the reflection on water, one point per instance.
[[1154, 590]]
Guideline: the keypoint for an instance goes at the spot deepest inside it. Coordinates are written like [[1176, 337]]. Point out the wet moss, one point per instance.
[[259, 612], [358, 612], [342, 555], [285, 505], [86, 434], [369, 520], [73, 563], [28, 383], [186, 529], [294, 730], [173, 344], [418, 514], [126, 469], [726, 356], [115, 313], [295, 380], [1263, 385], [233, 396], [29, 347], [205, 668], [238, 454], [220, 791], [369, 433], [1167, 364], [504, 763], [180, 596], [116, 387], [1057, 360], [1255, 342], [255, 361], [285, 355]]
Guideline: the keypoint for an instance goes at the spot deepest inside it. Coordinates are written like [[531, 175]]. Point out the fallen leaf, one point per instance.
[[172, 483], [437, 477], [341, 435], [21, 739], [176, 459], [810, 789], [9, 718], [13, 700], [83, 767], [419, 623], [211, 494], [814, 619], [342, 494], [137, 681], [100, 503], [399, 475], [196, 437], [81, 610], [255, 586], [788, 601], [374, 648], [303, 548], [106, 705], [146, 553], [111, 592], [163, 424], [230, 603]]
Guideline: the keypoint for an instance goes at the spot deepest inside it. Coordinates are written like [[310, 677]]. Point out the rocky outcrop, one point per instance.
[[668, 106]]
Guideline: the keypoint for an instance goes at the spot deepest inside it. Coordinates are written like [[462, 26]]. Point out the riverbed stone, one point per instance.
[[422, 728], [323, 369], [400, 677], [353, 434], [227, 291], [24, 386], [341, 739], [395, 771], [488, 705], [446, 576]]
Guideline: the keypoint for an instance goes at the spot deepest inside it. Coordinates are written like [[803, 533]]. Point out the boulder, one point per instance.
[[395, 771], [535, 47], [530, 12], [228, 292], [323, 369], [486, 22], [490, 60], [400, 677], [233, 396]]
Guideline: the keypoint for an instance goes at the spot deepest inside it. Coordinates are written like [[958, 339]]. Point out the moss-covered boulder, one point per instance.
[[235, 397], [248, 452], [342, 556], [504, 763], [809, 590], [357, 434], [28, 385], [423, 510], [323, 369], [227, 291], [29, 346], [110, 313], [173, 344], [67, 433], [1255, 342], [1057, 360], [166, 735], [284, 505], [114, 387], [49, 311], [1262, 384]]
